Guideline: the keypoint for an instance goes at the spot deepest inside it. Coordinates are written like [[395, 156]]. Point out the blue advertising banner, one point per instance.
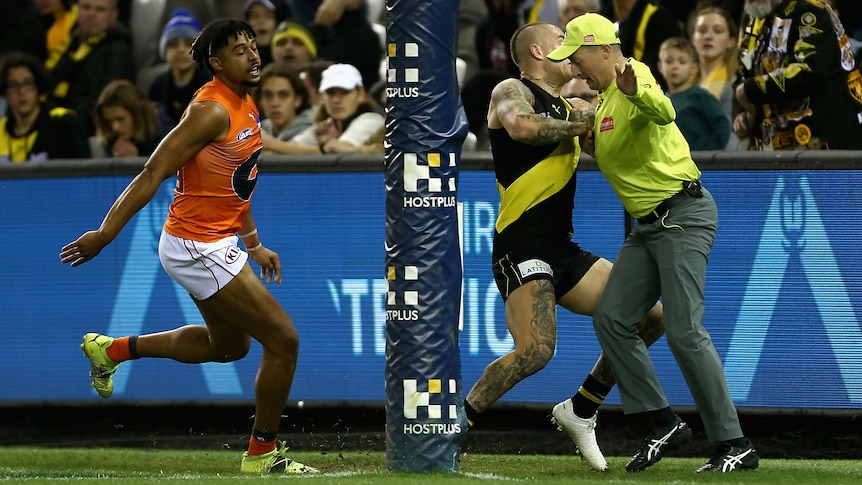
[[426, 126], [783, 295]]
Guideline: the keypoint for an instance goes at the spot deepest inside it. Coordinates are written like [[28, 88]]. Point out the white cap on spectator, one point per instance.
[[342, 76]]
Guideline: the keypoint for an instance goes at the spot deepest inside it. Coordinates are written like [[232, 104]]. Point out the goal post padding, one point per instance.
[[425, 128]]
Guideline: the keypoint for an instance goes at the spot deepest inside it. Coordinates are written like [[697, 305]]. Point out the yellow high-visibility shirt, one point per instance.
[[639, 148]]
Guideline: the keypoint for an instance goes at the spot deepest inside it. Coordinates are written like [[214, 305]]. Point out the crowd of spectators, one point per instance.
[[103, 78], [63, 61], [713, 27]]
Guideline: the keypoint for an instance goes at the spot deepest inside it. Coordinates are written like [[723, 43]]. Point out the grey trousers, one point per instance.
[[667, 259]]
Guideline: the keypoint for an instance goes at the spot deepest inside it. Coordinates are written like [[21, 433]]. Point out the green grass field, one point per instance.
[[132, 466]]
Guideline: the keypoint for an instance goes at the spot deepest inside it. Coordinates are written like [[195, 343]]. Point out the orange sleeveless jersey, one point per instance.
[[214, 189]]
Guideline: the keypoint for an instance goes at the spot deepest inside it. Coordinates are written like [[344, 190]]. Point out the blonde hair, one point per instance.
[[681, 44]]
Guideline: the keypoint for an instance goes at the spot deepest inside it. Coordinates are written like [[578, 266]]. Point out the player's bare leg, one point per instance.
[[196, 344], [242, 310], [245, 302], [583, 298], [531, 319], [246, 305]]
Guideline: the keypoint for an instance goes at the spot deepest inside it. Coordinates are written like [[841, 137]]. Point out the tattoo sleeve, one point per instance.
[[515, 109], [583, 115]]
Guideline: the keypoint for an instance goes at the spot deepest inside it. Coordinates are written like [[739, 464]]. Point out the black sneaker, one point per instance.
[[656, 444], [729, 458]]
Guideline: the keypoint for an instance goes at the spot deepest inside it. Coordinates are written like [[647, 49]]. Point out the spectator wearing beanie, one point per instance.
[[173, 89], [264, 15], [293, 45]]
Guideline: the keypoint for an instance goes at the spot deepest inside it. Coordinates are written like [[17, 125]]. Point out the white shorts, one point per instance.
[[201, 268]]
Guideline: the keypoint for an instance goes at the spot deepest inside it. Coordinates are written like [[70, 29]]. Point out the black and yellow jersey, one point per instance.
[[56, 134], [536, 183]]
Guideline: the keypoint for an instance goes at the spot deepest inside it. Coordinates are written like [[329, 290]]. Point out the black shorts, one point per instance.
[[564, 264]]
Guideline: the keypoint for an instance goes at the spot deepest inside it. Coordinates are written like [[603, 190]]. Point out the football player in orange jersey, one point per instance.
[[213, 152]]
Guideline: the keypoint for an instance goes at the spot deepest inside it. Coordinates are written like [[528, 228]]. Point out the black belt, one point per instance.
[[689, 189]]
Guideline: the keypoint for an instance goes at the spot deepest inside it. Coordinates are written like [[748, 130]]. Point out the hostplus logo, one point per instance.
[[429, 177], [431, 401], [410, 75], [410, 298]]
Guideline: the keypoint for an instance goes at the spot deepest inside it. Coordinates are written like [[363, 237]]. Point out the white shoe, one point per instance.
[[581, 431]]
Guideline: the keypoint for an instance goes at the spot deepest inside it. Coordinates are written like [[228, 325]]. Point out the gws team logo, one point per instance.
[[431, 401], [245, 177]]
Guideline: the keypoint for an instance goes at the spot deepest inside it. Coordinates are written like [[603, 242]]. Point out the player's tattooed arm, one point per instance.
[[512, 109], [583, 114]]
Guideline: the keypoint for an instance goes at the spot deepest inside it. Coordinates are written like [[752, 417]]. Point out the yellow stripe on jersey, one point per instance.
[[533, 187]]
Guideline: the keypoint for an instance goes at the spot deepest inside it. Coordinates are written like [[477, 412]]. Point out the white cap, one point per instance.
[[342, 76]]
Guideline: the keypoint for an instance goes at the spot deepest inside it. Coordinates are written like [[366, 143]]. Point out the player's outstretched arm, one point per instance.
[[203, 123]]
